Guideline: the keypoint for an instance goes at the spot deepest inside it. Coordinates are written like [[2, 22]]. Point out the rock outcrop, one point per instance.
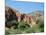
[[11, 14]]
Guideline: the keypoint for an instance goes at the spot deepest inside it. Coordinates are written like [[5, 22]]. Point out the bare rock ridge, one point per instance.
[[11, 14]]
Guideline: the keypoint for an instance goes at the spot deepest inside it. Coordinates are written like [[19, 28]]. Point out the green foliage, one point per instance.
[[40, 23], [23, 27]]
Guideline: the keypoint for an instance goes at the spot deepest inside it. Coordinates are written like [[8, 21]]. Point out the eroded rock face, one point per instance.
[[11, 14]]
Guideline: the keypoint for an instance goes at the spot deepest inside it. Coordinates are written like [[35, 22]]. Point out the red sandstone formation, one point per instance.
[[11, 14]]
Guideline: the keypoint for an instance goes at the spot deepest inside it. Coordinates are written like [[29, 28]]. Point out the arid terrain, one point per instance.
[[17, 23]]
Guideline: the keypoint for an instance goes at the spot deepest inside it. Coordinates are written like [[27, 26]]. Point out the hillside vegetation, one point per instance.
[[12, 26]]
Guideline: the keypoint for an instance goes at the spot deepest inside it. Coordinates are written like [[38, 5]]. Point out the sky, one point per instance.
[[25, 7]]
